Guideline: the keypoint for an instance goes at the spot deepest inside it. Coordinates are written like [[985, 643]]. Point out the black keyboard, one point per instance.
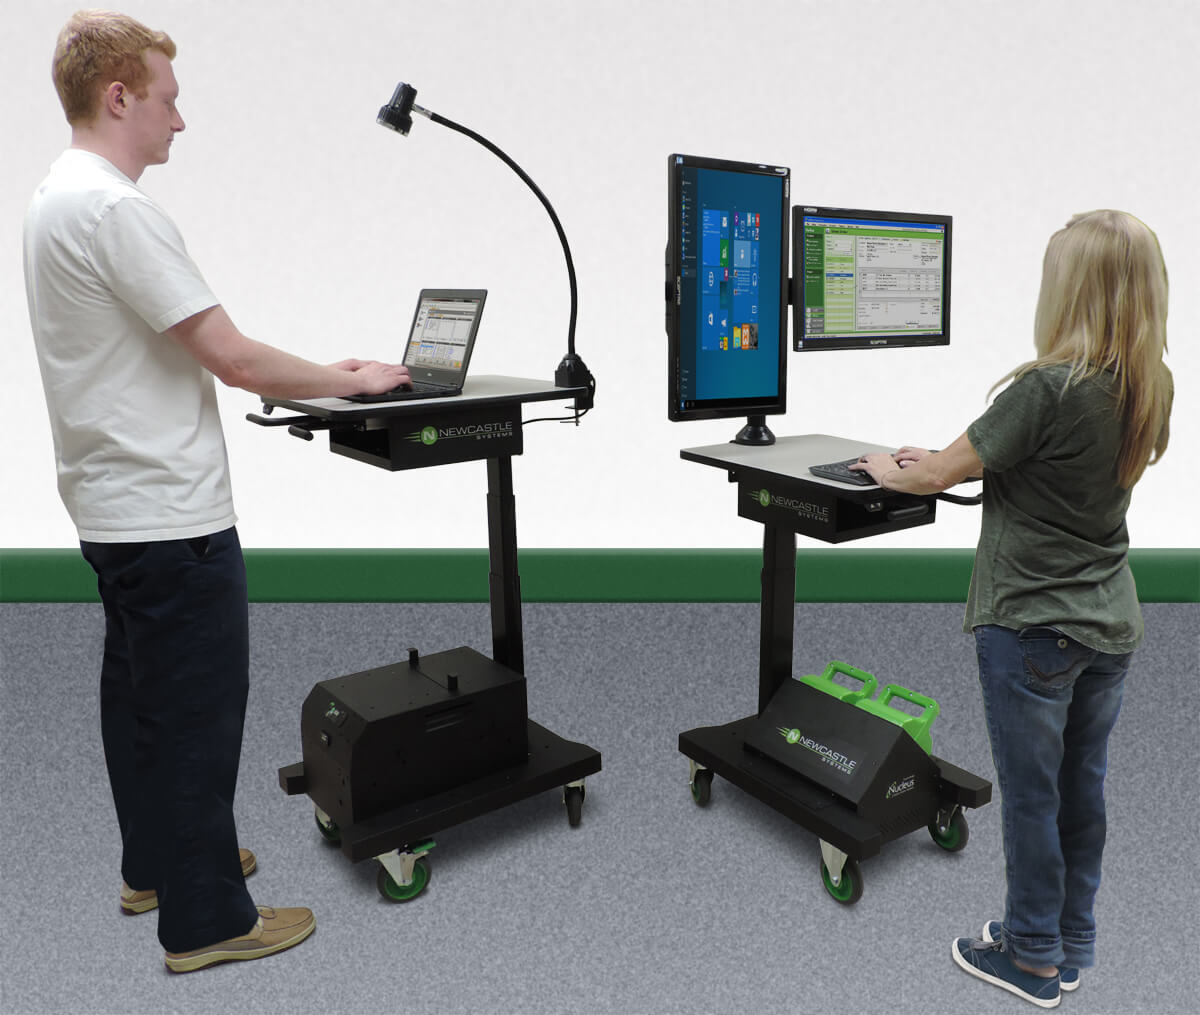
[[842, 473], [418, 389]]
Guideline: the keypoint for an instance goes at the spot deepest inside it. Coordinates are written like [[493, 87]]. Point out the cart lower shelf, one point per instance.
[[552, 762], [722, 749]]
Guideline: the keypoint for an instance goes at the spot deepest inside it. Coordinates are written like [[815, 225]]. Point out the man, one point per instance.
[[129, 337]]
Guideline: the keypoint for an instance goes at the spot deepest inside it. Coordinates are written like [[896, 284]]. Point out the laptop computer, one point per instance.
[[439, 345]]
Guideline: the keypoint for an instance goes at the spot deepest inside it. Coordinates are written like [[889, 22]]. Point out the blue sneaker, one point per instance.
[[988, 961], [1068, 976]]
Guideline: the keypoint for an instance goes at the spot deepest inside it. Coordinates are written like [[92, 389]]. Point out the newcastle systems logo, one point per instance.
[[827, 754], [430, 435], [805, 509]]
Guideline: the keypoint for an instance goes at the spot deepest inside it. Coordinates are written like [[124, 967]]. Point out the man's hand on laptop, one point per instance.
[[375, 378]]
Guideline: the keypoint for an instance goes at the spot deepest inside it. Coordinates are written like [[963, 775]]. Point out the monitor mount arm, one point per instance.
[[396, 115]]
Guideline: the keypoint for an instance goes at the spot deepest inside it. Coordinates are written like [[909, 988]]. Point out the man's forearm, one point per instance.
[[273, 373], [241, 362]]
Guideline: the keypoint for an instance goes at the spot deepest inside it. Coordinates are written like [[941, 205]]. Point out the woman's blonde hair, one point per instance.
[[1103, 306], [96, 48]]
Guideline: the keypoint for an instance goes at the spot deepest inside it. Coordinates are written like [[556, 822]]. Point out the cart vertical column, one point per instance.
[[504, 583], [778, 611]]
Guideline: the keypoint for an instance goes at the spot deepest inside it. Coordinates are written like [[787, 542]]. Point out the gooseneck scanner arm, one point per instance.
[[396, 115]]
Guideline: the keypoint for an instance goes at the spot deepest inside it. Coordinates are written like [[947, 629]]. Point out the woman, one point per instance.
[[1052, 602]]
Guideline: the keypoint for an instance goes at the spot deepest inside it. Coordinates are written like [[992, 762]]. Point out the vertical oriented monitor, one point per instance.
[[869, 279], [727, 292]]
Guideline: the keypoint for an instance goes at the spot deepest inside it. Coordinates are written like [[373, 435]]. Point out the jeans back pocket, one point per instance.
[[1053, 661]]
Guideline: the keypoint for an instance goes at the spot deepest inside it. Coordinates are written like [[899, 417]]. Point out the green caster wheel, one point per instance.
[[403, 893], [702, 786], [849, 889], [329, 830], [953, 836]]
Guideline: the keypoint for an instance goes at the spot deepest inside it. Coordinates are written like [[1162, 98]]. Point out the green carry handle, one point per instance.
[[826, 683], [916, 726]]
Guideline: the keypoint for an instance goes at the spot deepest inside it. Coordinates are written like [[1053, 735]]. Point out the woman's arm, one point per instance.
[[931, 473]]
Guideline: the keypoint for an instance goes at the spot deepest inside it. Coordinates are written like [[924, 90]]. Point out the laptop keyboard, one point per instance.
[[418, 389]]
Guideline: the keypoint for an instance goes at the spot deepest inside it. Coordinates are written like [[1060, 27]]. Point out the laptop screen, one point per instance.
[[443, 334]]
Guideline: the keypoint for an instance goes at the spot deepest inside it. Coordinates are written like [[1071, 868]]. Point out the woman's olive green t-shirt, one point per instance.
[[1053, 545]]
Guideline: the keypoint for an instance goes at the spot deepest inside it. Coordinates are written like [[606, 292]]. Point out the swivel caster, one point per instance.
[[328, 827], [404, 875], [394, 892], [952, 834], [574, 793], [840, 875], [700, 779]]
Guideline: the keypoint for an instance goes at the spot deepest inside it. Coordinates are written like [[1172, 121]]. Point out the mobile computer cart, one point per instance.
[[394, 755], [863, 780]]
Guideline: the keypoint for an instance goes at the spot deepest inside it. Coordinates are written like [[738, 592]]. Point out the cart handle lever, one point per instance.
[[254, 417], [298, 426]]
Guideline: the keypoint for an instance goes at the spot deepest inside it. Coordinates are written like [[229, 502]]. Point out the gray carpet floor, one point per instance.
[[652, 905]]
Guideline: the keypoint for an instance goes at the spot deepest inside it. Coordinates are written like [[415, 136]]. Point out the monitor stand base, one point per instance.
[[755, 432]]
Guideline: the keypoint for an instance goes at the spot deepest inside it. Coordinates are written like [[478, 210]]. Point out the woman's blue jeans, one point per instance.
[[1050, 705], [173, 691]]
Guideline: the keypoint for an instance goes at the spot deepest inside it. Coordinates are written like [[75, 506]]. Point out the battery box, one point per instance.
[[870, 764], [375, 740]]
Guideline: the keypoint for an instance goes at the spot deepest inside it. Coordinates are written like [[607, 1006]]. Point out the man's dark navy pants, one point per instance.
[[173, 690]]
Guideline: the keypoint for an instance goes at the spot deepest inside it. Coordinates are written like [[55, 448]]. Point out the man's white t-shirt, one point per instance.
[[137, 436]]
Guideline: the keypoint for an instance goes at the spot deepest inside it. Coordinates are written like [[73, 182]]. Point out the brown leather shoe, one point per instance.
[[275, 930], [134, 901]]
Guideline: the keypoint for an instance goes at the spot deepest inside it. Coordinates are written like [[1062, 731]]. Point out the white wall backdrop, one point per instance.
[[316, 227]]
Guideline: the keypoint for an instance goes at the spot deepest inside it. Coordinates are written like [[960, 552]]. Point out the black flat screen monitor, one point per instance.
[[727, 293], [869, 279]]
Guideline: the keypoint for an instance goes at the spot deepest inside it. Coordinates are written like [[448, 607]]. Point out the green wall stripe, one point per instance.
[[840, 575]]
